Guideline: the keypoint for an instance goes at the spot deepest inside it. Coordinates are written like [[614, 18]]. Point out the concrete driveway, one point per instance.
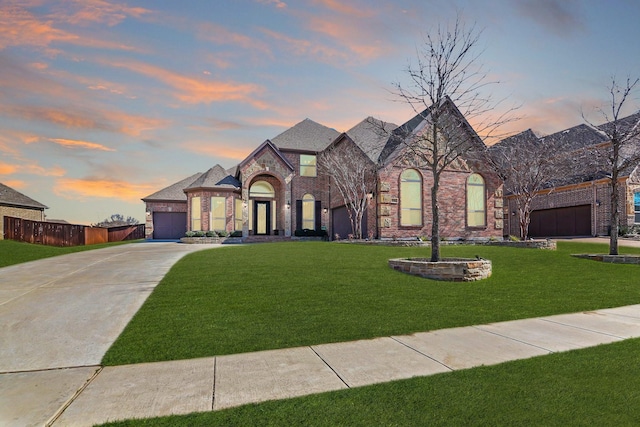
[[58, 317]]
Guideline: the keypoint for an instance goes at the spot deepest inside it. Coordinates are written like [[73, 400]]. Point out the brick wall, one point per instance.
[[152, 207], [452, 202], [17, 212]]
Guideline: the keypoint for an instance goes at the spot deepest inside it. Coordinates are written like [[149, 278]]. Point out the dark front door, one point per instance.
[[262, 218]]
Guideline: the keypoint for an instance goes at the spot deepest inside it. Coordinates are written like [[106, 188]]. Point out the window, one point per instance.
[[237, 225], [410, 198], [636, 208], [307, 165], [476, 201], [196, 212], [218, 214], [308, 212], [262, 189]]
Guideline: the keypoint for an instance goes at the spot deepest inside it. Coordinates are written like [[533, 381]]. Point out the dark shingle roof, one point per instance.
[[9, 196], [306, 136], [215, 177], [575, 138], [371, 136], [174, 192]]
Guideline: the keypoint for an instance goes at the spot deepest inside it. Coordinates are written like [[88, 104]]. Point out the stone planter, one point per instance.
[[615, 259], [202, 240], [530, 244], [448, 269]]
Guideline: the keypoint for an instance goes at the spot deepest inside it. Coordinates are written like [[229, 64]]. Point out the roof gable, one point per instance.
[[216, 177], [305, 136], [174, 192], [371, 136], [268, 145], [9, 196]]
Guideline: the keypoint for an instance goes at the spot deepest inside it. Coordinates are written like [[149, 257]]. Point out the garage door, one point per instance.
[[169, 225], [342, 225], [570, 221]]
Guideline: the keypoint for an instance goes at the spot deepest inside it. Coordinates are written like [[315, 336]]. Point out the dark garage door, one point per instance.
[[570, 221], [342, 225], [169, 225]]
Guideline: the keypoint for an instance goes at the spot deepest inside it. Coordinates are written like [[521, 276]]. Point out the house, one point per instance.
[[579, 204], [280, 190], [15, 204]]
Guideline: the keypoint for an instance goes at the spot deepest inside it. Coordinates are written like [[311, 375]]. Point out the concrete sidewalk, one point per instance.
[[184, 386]]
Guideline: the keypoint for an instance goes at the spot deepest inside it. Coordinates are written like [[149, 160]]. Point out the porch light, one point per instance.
[[325, 210], [288, 204]]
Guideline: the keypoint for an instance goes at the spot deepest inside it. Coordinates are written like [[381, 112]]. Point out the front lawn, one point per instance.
[[12, 252], [257, 297]]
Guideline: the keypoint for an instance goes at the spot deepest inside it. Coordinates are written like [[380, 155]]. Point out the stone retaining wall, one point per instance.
[[449, 269], [616, 259]]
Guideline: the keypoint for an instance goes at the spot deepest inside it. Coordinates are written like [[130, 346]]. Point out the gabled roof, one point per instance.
[[306, 136], [625, 124], [574, 138], [371, 136], [216, 177], [174, 192], [9, 196], [270, 146], [412, 127]]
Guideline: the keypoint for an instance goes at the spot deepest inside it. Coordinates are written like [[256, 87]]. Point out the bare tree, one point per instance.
[[353, 174], [623, 150], [447, 88]]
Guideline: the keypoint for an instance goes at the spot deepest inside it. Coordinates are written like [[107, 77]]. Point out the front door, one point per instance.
[[262, 218]]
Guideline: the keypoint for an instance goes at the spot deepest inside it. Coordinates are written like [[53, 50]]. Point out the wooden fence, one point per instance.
[[59, 234]]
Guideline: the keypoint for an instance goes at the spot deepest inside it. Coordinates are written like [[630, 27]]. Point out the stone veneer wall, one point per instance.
[[449, 269]]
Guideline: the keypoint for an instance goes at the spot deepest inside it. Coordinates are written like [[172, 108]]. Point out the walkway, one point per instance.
[[50, 373]]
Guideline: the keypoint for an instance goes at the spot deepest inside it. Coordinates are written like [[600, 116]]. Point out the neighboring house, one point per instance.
[[15, 204], [579, 205], [279, 189]]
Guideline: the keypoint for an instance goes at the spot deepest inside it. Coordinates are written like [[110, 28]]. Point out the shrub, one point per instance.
[[237, 233], [190, 234], [211, 233], [514, 238], [222, 233], [199, 234], [310, 233]]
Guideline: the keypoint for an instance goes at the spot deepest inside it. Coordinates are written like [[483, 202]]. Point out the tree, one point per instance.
[[353, 174], [116, 220], [528, 164], [447, 88], [623, 150]]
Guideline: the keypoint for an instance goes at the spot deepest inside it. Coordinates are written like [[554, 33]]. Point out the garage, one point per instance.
[[569, 221], [169, 225], [342, 225]]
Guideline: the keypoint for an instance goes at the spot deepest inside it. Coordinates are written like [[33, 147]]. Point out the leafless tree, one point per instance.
[[528, 164], [353, 174], [623, 150], [448, 89]]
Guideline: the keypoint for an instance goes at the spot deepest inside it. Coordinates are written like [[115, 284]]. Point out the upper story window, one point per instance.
[[308, 165], [410, 198], [476, 201], [636, 208]]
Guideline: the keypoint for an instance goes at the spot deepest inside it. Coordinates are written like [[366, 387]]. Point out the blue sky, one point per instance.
[[105, 102]]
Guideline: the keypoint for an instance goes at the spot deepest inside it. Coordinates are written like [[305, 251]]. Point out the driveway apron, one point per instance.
[[66, 311]]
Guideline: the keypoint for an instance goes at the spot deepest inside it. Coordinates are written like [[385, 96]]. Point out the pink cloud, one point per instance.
[[84, 12], [277, 3], [71, 143], [71, 188], [30, 168]]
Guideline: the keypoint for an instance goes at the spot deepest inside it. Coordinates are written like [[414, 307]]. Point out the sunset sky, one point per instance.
[[105, 102]]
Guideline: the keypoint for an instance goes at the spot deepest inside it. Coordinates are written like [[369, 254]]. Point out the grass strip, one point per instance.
[[268, 296]]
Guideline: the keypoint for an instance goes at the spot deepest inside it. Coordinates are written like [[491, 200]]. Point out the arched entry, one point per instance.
[[263, 206]]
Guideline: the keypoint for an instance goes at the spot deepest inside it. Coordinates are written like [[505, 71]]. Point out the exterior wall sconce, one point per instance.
[[148, 213], [513, 213], [325, 210], [597, 202], [288, 204]]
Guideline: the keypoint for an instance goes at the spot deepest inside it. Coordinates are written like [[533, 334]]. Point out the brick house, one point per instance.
[[15, 204], [579, 205], [279, 189]]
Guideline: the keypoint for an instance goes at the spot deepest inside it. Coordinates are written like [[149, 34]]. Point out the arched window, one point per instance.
[[262, 189], [410, 198], [476, 201], [308, 212]]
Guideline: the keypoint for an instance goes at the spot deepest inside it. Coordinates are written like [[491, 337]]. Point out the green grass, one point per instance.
[[595, 386], [12, 252], [250, 298]]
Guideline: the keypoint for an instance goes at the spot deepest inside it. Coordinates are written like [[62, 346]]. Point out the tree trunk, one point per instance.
[[435, 226], [615, 216]]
